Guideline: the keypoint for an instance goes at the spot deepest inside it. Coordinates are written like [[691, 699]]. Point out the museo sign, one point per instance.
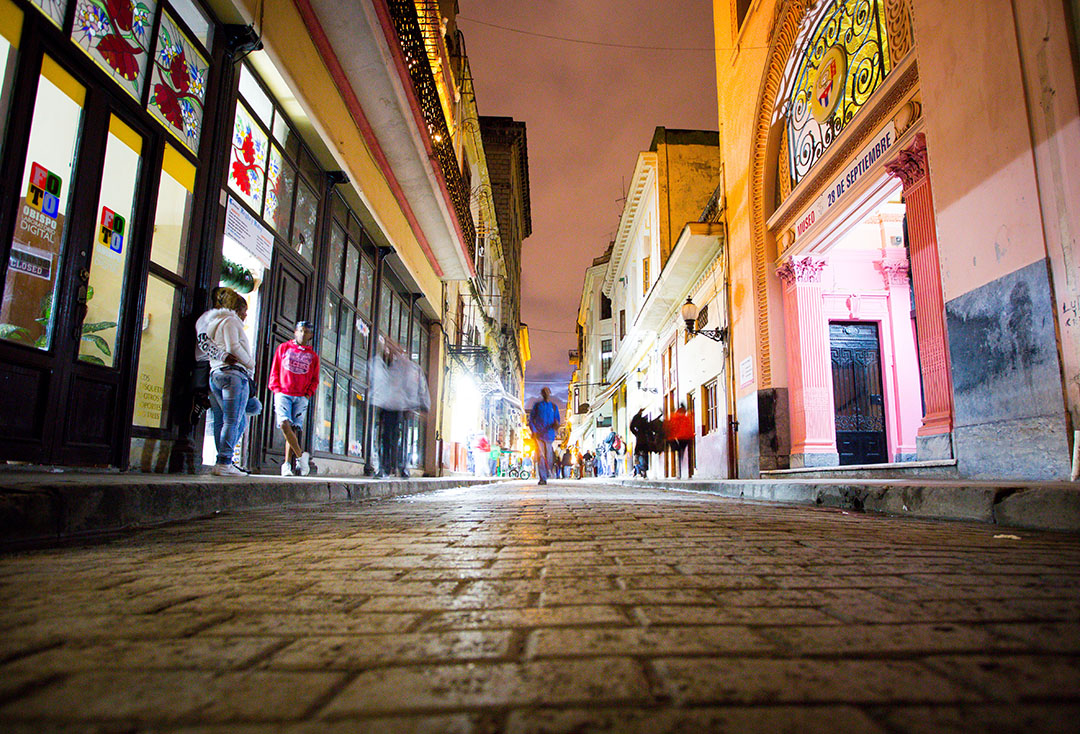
[[838, 189]]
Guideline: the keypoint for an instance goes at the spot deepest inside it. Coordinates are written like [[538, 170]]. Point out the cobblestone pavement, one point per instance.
[[572, 607]]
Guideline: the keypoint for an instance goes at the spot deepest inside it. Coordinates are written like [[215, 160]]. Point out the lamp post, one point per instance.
[[689, 315]]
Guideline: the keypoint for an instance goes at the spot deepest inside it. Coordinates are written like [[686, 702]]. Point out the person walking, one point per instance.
[[232, 365], [544, 422], [639, 426], [397, 387], [294, 377], [567, 464], [679, 430]]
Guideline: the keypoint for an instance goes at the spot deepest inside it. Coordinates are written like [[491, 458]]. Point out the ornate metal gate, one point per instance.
[[857, 393]]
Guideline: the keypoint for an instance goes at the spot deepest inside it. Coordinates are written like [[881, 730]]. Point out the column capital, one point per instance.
[[911, 165], [802, 270], [894, 272]]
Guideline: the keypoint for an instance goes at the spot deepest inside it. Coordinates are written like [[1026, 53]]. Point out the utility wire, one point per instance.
[[551, 331], [585, 42]]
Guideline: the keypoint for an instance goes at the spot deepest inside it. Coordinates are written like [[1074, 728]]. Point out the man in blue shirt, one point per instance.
[[544, 423]]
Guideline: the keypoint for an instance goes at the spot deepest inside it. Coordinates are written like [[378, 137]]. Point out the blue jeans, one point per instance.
[[543, 458], [231, 403]]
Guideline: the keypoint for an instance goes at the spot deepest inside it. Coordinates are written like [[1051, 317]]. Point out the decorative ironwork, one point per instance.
[[714, 209], [410, 36], [856, 28]]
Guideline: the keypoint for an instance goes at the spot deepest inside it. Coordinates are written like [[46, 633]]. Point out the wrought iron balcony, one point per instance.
[[714, 209], [411, 37]]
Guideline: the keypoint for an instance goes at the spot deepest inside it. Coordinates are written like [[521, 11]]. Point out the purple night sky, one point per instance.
[[589, 110]]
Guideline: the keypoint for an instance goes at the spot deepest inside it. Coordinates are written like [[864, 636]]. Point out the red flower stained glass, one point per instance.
[[247, 167], [116, 34], [178, 74]]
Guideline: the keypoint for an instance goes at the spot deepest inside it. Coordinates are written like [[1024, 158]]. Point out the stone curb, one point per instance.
[[1028, 505], [50, 511]]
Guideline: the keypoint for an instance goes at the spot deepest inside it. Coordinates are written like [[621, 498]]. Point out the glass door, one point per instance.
[[66, 309]]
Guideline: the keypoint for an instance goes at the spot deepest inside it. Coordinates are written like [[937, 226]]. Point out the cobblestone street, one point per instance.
[[571, 607]]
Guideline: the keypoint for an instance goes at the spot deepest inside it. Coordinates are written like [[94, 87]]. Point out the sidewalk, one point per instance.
[[1018, 504], [46, 508]]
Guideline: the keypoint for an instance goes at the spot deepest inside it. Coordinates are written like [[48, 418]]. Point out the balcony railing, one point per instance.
[[714, 209], [411, 37]]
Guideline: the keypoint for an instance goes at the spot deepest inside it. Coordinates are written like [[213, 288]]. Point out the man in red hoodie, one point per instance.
[[294, 377]]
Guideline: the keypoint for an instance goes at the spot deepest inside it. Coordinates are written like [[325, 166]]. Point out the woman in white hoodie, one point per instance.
[[231, 368]]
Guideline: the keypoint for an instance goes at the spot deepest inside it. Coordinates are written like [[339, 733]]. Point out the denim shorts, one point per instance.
[[290, 408]]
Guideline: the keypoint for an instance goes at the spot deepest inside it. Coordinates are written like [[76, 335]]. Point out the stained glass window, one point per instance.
[[307, 214], [844, 62], [248, 160], [178, 82], [54, 10], [116, 34], [280, 184]]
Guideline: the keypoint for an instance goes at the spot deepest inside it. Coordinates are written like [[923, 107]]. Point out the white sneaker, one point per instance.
[[286, 469], [226, 470], [303, 463]]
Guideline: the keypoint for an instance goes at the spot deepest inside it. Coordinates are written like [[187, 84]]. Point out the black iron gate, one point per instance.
[[857, 393]]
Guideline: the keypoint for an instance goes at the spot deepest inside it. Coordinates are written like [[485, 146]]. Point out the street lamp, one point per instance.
[[690, 314]]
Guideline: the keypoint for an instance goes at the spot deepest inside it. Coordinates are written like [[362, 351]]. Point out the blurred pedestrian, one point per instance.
[[638, 428], [544, 423], [294, 378], [397, 387], [679, 430]]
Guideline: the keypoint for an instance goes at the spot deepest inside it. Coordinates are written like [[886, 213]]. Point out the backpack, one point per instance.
[[617, 443]]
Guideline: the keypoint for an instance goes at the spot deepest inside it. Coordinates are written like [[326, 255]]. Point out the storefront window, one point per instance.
[[366, 286], [161, 311], [362, 332], [307, 215], [329, 328], [176, 193], [401, 313], [385, 299], [345, 331], [197, 22], [254, 96], [352, 272], [337, 258], [116, 35], [26, 310], [357, 417], [112, 244], [54, 10], [10, 31], [325, 413], [341, 415], [160, 316], [178, 84], [417, 327]]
